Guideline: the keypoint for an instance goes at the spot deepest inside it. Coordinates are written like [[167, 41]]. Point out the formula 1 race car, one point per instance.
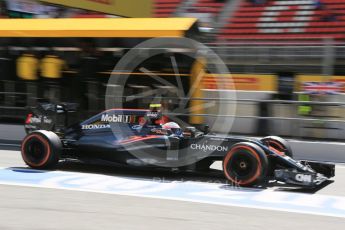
[[136, 137]]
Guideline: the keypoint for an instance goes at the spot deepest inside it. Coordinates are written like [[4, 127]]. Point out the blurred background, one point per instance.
[[286, 59]]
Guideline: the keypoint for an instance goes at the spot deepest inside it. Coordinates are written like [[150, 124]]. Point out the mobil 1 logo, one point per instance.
[[116, 118]]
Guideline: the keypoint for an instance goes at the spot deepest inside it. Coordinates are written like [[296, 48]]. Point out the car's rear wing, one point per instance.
[[53, 117]]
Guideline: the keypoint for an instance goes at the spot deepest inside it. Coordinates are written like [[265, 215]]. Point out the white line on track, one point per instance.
[[200, 192]]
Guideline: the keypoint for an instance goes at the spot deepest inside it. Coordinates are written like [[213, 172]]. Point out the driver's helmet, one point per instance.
[[173, 127], [154, 114]]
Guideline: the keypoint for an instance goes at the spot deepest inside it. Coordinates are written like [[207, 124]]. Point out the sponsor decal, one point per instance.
[[38, 119], [35, 120], [205, 148], [95, 126], [231, 82], [303, 178], [159, 131], [136, 127], [152, 114], [116, 118], [47, 120]]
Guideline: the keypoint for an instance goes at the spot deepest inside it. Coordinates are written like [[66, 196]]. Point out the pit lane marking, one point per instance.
[[200, 192]]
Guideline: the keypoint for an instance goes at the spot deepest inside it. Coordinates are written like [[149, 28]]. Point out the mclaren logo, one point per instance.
[[115, 118], [205, 148]]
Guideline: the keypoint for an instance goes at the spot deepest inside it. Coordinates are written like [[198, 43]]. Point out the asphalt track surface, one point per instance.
[[45, 208]]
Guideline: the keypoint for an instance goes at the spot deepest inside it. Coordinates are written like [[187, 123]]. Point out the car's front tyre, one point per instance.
[[246, 164]]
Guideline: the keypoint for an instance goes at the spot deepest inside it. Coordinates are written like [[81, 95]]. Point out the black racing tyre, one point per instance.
[[279, 144], [246, 164], [41, 149]]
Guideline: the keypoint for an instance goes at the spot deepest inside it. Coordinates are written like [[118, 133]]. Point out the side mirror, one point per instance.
[[190, 131]]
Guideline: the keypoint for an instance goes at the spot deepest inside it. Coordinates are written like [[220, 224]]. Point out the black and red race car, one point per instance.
[[133, 137]]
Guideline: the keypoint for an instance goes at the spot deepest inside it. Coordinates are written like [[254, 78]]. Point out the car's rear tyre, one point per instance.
[[278, 144], [41, 149], [246, 164]]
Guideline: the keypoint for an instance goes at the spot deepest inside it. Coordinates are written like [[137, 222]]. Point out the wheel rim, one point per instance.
[[242, 166]]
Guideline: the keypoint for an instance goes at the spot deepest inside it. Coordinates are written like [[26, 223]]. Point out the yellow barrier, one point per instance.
[[97, 27], [127, 8]]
